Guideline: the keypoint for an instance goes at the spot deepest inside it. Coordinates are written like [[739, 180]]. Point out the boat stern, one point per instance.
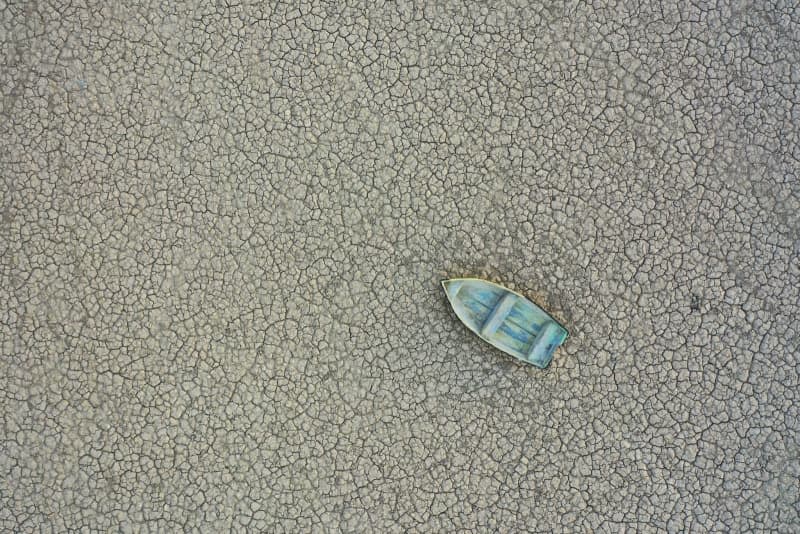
[[547, 341]]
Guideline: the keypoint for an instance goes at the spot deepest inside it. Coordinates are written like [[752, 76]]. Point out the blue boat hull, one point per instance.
[[505, 319]]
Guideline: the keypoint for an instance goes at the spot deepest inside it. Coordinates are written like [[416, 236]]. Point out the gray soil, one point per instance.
[[223, 228]]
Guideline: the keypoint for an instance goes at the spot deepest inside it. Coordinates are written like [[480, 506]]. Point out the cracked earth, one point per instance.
[[223, 231]]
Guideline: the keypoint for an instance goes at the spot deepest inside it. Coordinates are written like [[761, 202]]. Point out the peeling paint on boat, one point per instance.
[[506, 319]]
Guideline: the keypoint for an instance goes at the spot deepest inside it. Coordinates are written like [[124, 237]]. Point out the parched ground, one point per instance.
[[224, 226]]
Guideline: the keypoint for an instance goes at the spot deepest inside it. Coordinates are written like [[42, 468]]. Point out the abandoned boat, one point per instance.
[[505, 319]]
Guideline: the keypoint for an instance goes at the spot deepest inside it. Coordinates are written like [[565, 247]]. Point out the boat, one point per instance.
[[506, 319]]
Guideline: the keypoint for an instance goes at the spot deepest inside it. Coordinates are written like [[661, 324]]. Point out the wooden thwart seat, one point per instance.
[[498, 315], [543, 338]]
